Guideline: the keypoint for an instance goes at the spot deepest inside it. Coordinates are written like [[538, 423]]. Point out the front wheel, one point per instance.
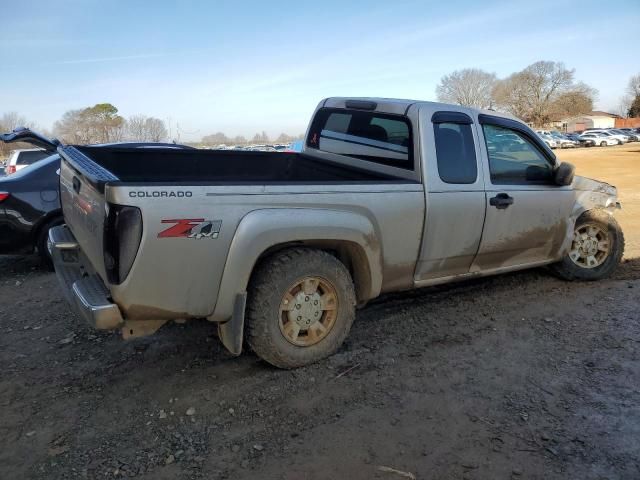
[[596, 248], [301, 307], [603, 144]]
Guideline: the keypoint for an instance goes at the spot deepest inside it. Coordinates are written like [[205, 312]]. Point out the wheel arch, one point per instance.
[[350, 236], [45, 220]]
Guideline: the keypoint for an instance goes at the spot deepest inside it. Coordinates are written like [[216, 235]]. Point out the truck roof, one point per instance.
[[397, 106]]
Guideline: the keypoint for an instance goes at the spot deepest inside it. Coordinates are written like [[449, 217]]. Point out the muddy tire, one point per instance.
[[301, 307], [596, 249], [43, 238]]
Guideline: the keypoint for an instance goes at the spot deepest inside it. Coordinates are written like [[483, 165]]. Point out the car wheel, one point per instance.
[[42, 240], [596, 248], [301, 307], [603, 144]]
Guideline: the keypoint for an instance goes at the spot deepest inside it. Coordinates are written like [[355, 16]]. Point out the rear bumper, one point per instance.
[[83, 288]]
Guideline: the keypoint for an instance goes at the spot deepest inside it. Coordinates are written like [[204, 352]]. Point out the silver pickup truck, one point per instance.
[[280, 248]]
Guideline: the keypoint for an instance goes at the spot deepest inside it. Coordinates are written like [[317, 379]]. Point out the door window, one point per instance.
[[514, 159], [455, 152]]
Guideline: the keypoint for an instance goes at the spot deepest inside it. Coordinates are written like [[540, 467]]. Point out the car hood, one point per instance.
[[591, 185]]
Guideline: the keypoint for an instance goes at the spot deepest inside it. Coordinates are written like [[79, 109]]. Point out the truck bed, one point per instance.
[[178, 166]]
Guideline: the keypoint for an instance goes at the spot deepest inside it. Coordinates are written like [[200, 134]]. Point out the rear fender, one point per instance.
[[264, 230]]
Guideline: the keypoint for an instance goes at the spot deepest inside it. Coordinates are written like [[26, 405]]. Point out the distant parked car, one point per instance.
[[620, 139], [548, 139], [30, 205], [563, 141], [581, 142], [599, 139], [22, 158], [632, 136]]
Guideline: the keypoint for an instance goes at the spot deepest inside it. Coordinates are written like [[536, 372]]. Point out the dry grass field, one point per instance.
[[619, 166]]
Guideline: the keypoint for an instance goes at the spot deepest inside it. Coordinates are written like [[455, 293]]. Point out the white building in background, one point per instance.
[[594, 119]]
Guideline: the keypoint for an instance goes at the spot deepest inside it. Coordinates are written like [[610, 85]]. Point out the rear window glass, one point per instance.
[[27, 158], [456, 153], [371, 136]]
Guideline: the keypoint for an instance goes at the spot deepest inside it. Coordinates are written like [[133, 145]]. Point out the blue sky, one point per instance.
[[245, 66]]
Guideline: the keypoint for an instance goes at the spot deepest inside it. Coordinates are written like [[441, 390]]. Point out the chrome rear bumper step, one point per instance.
[[84, 290]]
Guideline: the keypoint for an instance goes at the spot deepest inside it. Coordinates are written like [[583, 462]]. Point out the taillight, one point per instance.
[[10, 169], [122, 236], [4, 196]]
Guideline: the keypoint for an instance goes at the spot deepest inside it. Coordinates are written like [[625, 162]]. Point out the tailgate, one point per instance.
[[82, 186]]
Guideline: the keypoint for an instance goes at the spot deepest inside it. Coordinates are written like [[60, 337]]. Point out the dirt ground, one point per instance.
[[518, 376]]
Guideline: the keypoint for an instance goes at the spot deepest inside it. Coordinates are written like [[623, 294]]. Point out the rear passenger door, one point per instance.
[[455, 197]]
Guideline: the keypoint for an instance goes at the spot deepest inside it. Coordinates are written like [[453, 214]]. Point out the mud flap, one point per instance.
[[231, 332]]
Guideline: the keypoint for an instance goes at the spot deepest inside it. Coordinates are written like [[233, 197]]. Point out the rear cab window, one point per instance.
[[376, 137]]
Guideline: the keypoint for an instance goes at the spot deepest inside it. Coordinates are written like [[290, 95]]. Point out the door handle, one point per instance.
[[76, 184], [501, 201]]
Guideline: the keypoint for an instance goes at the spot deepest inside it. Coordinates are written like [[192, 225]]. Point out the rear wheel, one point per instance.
[[596, 248], [42, 240], [301, 307]]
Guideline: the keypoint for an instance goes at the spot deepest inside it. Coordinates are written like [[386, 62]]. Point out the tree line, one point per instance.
[[98, 124], [219, 138], [102, 124], [541, 92]]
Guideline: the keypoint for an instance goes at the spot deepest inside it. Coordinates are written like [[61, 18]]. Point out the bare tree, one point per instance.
[[470, 87], [633, 88], [8, 122], [260, 137], [216, 139], [136, 128], [284, 138], [629, 101], [624, 105], [98, 124], [578, 101], [141, 128], [533, 93], [156, 130], [634, 109], [71, 129]]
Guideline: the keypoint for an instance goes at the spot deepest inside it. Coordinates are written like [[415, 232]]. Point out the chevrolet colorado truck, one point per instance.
[[280, 248]]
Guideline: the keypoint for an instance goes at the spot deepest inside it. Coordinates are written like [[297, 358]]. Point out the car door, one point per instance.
[[454, 192], [527, 214]]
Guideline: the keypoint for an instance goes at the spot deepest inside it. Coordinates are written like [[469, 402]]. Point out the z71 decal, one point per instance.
[[192, 228]]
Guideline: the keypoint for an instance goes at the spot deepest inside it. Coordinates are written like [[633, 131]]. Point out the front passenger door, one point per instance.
[[527, 213]]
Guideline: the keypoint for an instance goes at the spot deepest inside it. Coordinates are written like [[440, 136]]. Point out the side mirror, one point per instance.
[[564, 174], [536, 173]]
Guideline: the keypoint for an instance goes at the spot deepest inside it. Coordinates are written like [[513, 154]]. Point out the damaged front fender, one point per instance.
[[590, 194]]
